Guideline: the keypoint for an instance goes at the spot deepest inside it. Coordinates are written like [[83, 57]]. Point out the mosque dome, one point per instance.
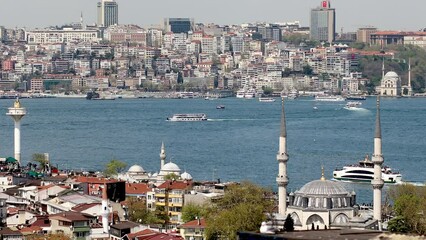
[[391, 74], [323, 187], [186, 176], [170, 167], [135, 169]]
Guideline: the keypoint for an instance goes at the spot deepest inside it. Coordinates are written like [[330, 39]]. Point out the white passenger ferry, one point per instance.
[[189, 117], [364, 172], [329, 98], [266, 99]]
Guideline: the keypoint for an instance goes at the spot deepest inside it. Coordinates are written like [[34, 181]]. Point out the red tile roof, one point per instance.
[[84, 206], [70, 216], [137, 188], [31, 229], [194, 224], [42, 221], [176, 184], [95, 180]]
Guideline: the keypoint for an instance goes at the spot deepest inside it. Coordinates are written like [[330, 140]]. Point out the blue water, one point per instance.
[[239, 143]]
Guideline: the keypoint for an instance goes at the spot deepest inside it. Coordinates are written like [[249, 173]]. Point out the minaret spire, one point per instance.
[[105, 209], [17, 112], [282, 158], [162, 155], [377, 159], [383, 68]]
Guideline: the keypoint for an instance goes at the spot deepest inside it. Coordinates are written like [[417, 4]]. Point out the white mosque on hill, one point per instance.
[[137, 173], [325, 204]]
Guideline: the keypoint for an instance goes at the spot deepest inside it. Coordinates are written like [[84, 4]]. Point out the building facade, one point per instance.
[[178, 25], [323, 23], [391, 85], [107, 13]]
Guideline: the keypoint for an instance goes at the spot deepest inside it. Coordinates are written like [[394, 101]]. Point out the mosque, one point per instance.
[[325, 204], [391, 86], [137, 173]]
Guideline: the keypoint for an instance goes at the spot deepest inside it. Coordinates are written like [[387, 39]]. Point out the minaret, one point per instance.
[[410, 89], [105, 210], [282, 158], [162, 155], [17, 112], [377, 159], [383, 68]]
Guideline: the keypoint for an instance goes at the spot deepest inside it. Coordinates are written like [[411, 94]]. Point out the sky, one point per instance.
[[402, 15]]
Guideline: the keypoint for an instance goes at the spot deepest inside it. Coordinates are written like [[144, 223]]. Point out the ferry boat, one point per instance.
[[353, 105], [364, 172], [356, 97], [266, 99], [329, 98], [251, 93], [188, 117]]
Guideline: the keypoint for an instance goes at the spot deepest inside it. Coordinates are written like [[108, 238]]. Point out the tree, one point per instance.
[[171, 176], [139, 213], [267, 90], [41, 159], [113, 167], [242, 208], [307, 70], [289, 224], [409, 206], [192, 211], [51, 236]]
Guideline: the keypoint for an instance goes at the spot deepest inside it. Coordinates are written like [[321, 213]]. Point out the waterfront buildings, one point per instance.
[[323, 23], [107, 13]]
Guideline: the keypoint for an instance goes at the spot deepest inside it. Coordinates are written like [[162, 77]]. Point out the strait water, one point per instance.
[[239, 143]]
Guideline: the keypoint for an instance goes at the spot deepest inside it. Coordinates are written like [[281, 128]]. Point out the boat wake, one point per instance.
[[236, 119], [356, 109]]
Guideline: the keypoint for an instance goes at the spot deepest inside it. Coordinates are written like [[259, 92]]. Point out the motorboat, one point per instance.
[[353, 105], [188, 117], [220, 107], [266, 99], [364, 172], [329, 98], [251, 93], [240, 94]]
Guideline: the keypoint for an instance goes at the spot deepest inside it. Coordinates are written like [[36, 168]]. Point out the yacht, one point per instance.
[[188, 117], [266, 99], [354, 105], [251, 93], [241, 93], [329, 98], [364, 172]]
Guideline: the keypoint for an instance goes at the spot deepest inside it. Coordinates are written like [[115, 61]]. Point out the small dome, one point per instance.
[[170, 167], [136, 169], [186, 176], [391, 74], [323, 187]]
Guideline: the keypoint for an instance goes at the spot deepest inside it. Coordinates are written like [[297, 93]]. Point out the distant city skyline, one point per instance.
[[383, 14]]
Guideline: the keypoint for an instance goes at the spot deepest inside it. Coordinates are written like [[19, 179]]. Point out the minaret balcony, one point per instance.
[[377, 183], [282, 181], [282, 157], [377, 159]]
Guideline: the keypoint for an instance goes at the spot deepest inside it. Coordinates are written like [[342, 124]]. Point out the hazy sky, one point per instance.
[[350, 14]]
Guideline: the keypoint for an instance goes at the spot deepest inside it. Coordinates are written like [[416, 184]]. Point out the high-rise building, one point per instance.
[[323, 22], [107, 13], [178, 25], [363, 34]]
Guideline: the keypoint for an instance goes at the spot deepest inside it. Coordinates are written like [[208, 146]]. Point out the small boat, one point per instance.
[[329, 98], [266, 99], [352, 105], [220, 107], [364, 172], [315, 108], [188, 117]]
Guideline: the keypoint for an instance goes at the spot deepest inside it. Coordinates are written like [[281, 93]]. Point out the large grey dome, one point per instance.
[[391, 74], [323, 187]]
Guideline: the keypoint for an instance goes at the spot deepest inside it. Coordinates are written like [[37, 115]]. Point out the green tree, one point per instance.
[[171, 176], [139, 213], [242, 208], [113, 167], [409, 206], [41, 159], [192, 211], [267, 90], [307, 70], [289, 224]]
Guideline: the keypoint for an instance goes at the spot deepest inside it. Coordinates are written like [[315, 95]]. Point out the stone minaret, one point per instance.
[[282, 158], [17, 112], [377, 158], [162, 155], [410, 89], [105, 209], [383, 68]]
